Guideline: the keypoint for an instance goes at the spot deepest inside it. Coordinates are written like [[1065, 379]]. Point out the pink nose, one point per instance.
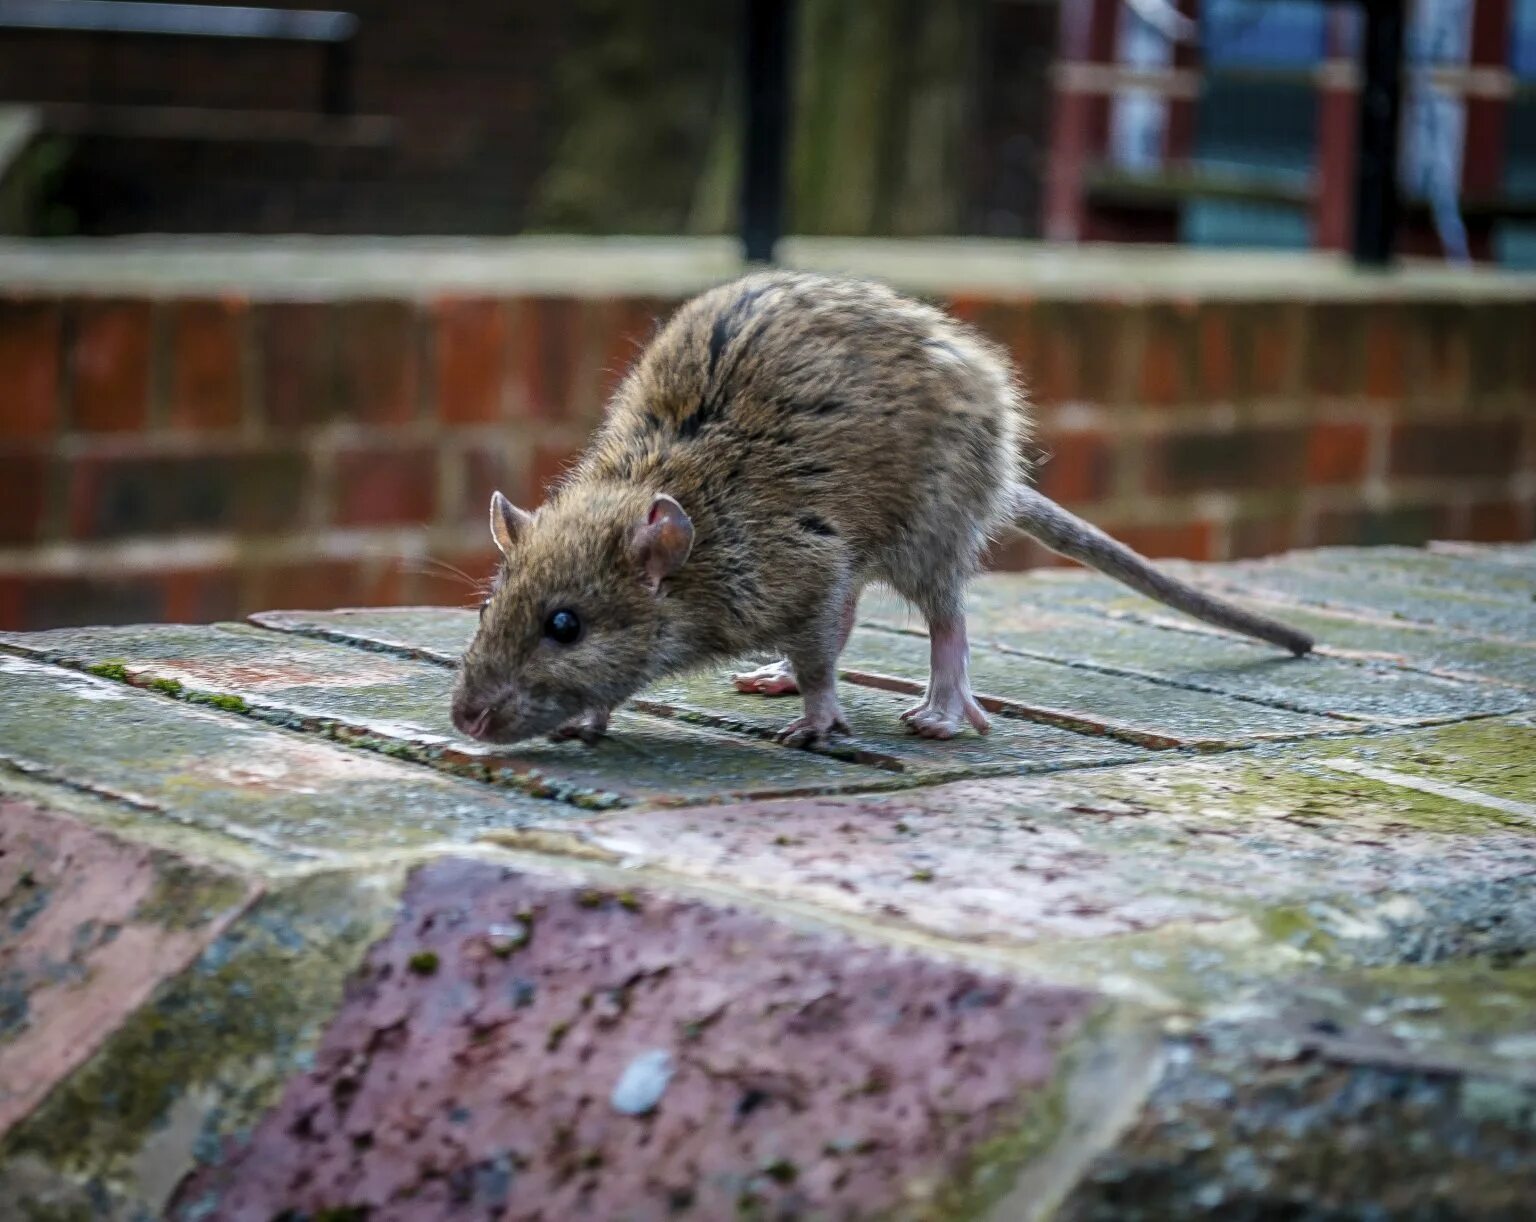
[[471, 723]]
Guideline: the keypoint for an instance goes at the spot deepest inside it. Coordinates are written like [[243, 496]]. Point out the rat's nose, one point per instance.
[[471, 717]]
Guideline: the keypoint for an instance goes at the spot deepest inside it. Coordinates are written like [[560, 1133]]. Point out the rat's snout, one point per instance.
[[475, 713]]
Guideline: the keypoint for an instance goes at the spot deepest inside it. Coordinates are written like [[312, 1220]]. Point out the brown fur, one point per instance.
[[820, 434]]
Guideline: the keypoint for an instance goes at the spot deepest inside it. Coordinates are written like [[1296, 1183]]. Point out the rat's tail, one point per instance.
[[1070, 536]]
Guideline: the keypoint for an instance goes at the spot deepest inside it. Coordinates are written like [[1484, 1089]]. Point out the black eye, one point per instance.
[[483, 606], [562, 626]]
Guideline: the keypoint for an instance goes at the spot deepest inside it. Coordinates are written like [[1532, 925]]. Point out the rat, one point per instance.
[[782, 441]]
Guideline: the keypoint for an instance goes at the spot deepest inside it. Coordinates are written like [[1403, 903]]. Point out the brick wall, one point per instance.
[[197, 458]]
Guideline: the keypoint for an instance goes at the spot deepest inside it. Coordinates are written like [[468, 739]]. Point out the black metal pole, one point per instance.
[[1381, 97], [336, 78], [767, 126]]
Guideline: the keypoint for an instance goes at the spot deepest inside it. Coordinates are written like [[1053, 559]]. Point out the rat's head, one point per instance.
[[575, 621]]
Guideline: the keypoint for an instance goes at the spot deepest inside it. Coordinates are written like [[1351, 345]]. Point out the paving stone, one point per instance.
[[1328, 686], [474, 1064], [291, 797], [1013, 745], [1430, 648], [710, 699], [202, 1061], [1134, 710], [1285, 1125], [1441, 607], [1074, 863], [1420, 569], [89, 926], [401, 707]]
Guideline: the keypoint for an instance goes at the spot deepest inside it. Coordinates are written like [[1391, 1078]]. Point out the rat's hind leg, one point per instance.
[[778, 678], [948, 701]]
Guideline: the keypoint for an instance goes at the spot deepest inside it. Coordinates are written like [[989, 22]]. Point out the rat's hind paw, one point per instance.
[[932, 719], [589, 728], [809, 731], [775, 679]]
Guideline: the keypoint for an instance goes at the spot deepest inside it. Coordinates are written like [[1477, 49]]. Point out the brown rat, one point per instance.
[[783, 441]]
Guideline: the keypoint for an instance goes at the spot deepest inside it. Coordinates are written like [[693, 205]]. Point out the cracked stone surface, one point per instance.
[[1197, 931]]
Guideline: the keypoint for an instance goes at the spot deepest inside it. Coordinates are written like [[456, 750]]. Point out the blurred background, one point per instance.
[[284, 293]]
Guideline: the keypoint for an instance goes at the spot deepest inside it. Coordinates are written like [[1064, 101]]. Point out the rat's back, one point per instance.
[[828, 405]]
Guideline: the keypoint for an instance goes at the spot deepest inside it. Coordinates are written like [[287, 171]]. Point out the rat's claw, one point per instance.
[[931, 719], [775, 679], [589, 729], [809, 731]]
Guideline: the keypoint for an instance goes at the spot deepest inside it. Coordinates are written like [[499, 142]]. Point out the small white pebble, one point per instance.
[[643, 1083]]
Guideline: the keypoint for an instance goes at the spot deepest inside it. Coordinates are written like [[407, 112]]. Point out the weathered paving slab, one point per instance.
[[1372, 636], [1049, 861], [295, 797], [1126, 707], [1232, 666], [202, 1061], [92, 924], [1131, 710], [628, 1055], [1196, 932], [400, 707]]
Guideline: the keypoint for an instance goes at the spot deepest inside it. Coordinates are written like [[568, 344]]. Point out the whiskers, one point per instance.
[[479, 588]]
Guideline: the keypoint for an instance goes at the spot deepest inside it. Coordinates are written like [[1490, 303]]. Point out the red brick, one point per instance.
[[1386, 354], [487, 470], [1182, 540], [1247, 537], [110, 358], [297, 363], [1271, 333], [1017, 553], [1333, 367], [207, 348], [29, 368], [1217, 355], [77, 602], [1495, 353], [376, 487], [1238, 461], [201, 596], [470, 351], [548, 464], [634, 323], [1078, 468], [1412, 524], [1500, 522], [1337, 453], [1163, 380], [377, 361], [12, 596], [118, 496], [1055, 374], [545, 349], [1465, 448], [25, 484], [1441, 355]]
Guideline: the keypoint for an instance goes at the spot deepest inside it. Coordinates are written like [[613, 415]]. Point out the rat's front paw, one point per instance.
[[589, 728]]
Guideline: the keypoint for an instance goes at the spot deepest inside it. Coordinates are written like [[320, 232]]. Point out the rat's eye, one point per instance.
[[483, 606], [562, 626]]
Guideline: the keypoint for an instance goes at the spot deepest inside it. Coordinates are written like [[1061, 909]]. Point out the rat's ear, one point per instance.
[[507, 523], [663, 540]]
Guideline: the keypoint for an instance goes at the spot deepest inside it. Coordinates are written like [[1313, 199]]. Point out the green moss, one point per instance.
[[227, 1032], [110, 669], [423, 962], [187, 897], [170, 687], [218, 700]]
